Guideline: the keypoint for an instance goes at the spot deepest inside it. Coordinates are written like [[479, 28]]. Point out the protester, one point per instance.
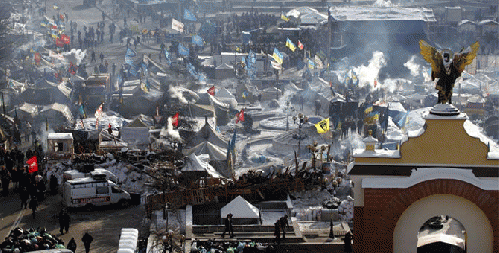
[[33, 204], [24, 196], [283, 223], [348, 242], [64, 220], [72, 245], [277, 232], [228, 226], [87, 240]]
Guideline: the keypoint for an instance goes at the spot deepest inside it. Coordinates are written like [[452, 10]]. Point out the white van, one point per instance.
[[74, 174], [89, 192]]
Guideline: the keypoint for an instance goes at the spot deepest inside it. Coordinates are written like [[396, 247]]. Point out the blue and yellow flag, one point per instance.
[[290, 44], [283, 17], [278, 56], [311, 64], [322, 126]]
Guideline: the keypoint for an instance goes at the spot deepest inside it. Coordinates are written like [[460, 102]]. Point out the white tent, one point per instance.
[[240, 208], [215, 152], [196, 164]]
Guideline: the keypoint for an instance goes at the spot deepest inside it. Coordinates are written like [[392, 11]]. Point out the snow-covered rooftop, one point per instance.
[[359, 13]]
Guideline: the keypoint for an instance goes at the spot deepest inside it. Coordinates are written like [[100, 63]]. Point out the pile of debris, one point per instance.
[[26, 240]]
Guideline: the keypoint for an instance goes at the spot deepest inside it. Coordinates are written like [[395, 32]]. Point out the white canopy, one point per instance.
[[240, 208], [196, 164], [440, 237]]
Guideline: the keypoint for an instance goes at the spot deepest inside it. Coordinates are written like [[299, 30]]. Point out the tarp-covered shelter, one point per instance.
[[60, 145], [196, 168], [208, 134], [136, 134], [243, 212]]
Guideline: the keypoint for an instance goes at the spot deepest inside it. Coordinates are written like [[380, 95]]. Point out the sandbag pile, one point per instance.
[[26, 240]]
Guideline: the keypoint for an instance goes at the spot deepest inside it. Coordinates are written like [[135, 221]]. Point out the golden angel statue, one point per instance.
[[447, 67]]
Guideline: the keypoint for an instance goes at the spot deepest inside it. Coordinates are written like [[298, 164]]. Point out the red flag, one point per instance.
[[211, 91], [300, 45], [37, 58], [66, 39], [175, 120], [72, 68], [59, 42], [33, 164], [240, 116]]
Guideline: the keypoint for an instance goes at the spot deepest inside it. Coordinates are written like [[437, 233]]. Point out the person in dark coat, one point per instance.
[[228, 226], [72, 245], [24, 195], [283, 223], [87, 239], [64, 220], [33, 204], [277, 232], [348, 242]]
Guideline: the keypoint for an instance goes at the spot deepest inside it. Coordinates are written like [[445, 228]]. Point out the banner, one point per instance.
[[322, 126], [177, 25]]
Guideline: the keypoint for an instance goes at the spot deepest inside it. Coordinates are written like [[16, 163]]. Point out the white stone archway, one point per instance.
[[475, 222]]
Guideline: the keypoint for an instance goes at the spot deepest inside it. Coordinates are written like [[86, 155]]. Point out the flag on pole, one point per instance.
[[240, 116], [311, 64], [32, 164], [145, 86], [197, 40], [318, 62], [283, 17], [300, 45], [277, 56], [290, 44], [130, 53], [188, 15], [98, 114], [368, 109], [175, 120], [183, 50], [322, 126], [177, 25], [211, 91]]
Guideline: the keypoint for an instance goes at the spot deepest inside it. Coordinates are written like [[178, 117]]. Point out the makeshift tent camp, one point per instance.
[[243, 212]]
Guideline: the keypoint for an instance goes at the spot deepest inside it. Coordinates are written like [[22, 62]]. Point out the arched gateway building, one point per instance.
[[445, 170]]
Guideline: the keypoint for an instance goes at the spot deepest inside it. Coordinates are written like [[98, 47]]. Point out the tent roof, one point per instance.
[[196, 164], [208, 134], [240, 208], [215, 152]]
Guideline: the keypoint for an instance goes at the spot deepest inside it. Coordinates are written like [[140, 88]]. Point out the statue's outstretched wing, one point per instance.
[[431, 55], [465, 57]]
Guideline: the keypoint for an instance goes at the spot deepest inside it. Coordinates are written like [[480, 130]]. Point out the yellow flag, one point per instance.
[[283, 17], [322, 126]]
